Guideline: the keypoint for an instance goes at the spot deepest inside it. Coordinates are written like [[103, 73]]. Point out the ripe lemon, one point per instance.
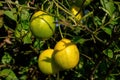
[[74, 10], [66, 54], [46, 62], [42, 25]]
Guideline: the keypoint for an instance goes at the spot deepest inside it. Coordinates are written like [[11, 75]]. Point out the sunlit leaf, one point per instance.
[[97, 21], [78, 40], [6, 58], [117, 56], [24, 77], [108, 52], [10, 14], [38, 44], [107, 30], [108, 6], [27, 38], [8, 74], [24, 15]]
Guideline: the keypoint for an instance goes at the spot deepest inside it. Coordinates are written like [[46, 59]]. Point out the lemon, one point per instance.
[[46, 62], [66, 54], [75, 10], [42, 25]]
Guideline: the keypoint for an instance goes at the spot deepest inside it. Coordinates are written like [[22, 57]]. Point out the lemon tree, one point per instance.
[[59, 40]]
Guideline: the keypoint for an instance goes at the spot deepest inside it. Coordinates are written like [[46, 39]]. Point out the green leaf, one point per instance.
[[8, 74], [24, 77], [1, 4], [27, 39], [117, 56], [25, 25], [97, 20], [108, 52], [78, 40], [20, 32], [38, 44], [103, 2], [107, 30], [10, 14], [111, 77], [108, 6], [24, 15], [6, 58]]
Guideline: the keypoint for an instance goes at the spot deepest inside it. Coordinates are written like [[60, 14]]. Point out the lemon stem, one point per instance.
[[39, 43], [62, 7], [48, 45], [60, 32], [59, 25]]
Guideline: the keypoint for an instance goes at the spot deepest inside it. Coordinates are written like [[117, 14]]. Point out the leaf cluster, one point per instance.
[[97, 36]]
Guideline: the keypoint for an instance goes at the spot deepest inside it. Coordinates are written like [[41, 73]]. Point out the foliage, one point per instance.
[[97, 36]]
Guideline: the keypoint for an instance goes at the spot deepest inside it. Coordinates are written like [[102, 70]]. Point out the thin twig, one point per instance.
[[13, 3], [100, 59], [103, 56], [89, 58], [62, 8], [112, 66]]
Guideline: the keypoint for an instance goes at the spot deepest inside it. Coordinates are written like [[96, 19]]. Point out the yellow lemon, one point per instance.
[[46, 62], [66, 54], [75, 10]]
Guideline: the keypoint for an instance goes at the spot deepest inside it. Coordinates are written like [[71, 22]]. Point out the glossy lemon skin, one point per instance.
[[46, 63], [66, 54], [42, 25]]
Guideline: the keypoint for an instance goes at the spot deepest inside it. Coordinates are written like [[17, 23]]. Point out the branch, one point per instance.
[[13, 3], [102, 56], [112, 66], [100, 59]]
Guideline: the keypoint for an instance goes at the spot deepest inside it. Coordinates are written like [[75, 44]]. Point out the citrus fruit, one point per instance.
[[42, 25], [66, 54], [75, 10], [46, 62]]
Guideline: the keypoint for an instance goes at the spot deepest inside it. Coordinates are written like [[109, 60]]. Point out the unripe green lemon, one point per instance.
[[46, 62], [42, 25], [66, 54]]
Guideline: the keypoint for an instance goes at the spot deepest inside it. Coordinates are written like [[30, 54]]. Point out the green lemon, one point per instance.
[[42, 25]]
